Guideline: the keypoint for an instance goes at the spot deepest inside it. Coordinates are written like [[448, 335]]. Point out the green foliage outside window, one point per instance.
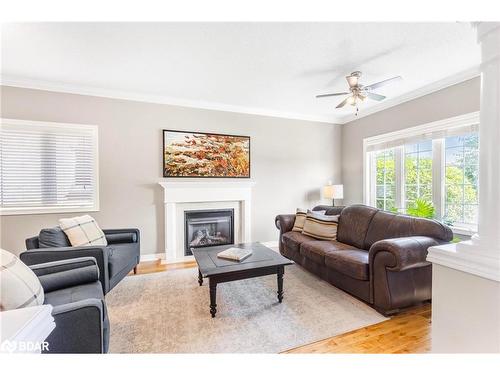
[[421, 208], [385, 180], [461, 179], [461, 182]]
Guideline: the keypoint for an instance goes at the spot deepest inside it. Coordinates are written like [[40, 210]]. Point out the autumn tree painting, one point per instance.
[[205, 155]]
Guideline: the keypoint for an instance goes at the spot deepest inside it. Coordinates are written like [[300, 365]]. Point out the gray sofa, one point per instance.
[[115, 260], [72, 287]]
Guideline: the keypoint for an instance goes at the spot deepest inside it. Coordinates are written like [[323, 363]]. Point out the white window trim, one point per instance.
[[438, 153], [54, 210]]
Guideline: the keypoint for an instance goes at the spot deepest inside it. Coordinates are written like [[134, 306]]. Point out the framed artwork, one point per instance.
[[189, 154]]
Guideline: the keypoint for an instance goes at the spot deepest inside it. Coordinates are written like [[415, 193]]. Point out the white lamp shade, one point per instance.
[[333, 191]]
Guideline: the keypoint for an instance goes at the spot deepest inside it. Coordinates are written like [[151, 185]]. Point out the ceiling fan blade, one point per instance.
[[334, 94], [382, 83], [375, 96], [344, 102]]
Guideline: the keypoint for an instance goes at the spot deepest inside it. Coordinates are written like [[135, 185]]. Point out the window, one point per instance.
[[417, 173], [385, 180], [461, 179], [437, 163], [47, 167]]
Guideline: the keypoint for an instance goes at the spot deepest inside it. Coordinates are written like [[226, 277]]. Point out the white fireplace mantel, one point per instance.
[[193, 193]]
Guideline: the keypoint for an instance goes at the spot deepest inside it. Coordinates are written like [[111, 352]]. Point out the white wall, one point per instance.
[[291, 160], [451, 101], [468, 302]]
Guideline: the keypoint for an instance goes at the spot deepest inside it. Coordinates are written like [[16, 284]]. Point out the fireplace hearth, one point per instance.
[[205, 228]]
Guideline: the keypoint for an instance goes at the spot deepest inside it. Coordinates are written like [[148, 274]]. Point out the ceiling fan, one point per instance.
[[358, 92]]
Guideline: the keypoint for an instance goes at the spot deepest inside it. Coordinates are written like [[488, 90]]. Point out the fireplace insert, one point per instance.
[[204, 228]]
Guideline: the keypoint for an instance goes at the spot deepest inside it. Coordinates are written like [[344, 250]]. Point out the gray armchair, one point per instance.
[[115, 260], [72, 287]]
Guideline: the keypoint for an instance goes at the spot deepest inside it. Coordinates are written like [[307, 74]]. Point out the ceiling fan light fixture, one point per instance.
[[352, 80], [360, 92]]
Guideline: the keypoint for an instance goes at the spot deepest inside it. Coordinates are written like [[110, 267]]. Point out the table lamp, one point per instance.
[[333, 192]]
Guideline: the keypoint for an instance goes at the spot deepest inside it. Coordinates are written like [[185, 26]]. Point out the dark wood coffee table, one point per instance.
[[263, 261]]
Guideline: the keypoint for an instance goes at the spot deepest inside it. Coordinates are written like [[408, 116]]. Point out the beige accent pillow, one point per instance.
[[320, 226], [83, 231], [19, 286], [300, 219]]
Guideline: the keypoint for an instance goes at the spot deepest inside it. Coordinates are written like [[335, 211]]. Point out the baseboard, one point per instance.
[[161, 256], [152, 257]]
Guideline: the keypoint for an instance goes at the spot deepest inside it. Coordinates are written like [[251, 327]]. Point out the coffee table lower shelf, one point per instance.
[[213, 280]]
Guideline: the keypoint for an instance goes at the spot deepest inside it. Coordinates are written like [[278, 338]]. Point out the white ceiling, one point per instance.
[[267, 68]]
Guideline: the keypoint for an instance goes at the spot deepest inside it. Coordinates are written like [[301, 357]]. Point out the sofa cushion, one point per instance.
[[294, 239], [317, 249], [385, 225], [350, 262], [52, 237], [329, 210], [121, 256], [353, 225], [79, 293], [300, 219], [321, 226], [75, 294]]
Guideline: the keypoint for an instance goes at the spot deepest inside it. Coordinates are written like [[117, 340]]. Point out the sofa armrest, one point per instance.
[[32, 243], [47, 268], [79, 327], [44, 255], [406, 252], [284, 222], [66, 273], [400, 275], [127, 235]]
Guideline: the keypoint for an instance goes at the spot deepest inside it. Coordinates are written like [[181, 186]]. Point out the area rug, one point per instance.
[[168, 312]]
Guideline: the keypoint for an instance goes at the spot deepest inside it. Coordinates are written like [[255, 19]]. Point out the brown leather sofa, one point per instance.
[[379, 257]]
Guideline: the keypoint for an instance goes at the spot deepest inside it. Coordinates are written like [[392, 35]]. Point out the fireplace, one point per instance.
[[180, 197], [204, 228]]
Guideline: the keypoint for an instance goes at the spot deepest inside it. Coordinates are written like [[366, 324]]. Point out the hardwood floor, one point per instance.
[[157, 266], [407, 332]]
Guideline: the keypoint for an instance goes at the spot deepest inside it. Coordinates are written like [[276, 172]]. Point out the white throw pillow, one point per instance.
[[19, 286], [83, 231]]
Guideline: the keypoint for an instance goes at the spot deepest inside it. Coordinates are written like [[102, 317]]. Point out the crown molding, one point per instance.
[[415, 94], [8, 80]]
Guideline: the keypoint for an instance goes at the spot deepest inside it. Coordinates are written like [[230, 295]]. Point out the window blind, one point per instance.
[[47, 167]]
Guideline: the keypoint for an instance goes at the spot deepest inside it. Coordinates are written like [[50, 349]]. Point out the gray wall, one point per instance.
[[291, 160], [451, 101]]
